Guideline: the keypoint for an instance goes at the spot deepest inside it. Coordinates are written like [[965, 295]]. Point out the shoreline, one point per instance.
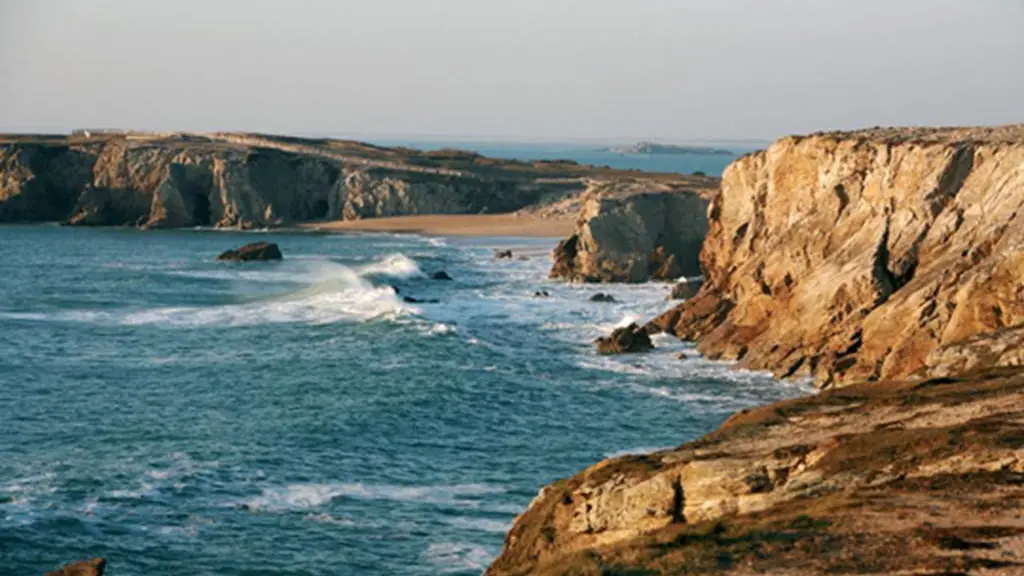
[[473, 225]]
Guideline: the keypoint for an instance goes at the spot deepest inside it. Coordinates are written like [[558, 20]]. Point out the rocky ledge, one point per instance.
[[252, 180], [856, 256], [634, 232], [922, 477]]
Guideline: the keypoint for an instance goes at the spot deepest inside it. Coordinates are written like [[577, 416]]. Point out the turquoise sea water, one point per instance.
[[184, 416], [596, 154]]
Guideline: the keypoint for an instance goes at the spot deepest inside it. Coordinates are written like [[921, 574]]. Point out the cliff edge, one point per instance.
[[241, 180], [855, 256]]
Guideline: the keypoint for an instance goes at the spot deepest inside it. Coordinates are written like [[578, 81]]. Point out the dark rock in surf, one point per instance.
[[629, 339], [503, 255], [440, 275], [541, 294], [412, 300], [254, 251], [602, 297], [93, 567]]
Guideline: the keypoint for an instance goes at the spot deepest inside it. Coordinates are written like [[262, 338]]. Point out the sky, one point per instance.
[[676, 70]]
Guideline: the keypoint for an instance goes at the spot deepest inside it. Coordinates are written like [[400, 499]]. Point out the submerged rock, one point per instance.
[[93, 567], [440, 275], [602, 297], [626, 340], [254, 251], [412, 300]]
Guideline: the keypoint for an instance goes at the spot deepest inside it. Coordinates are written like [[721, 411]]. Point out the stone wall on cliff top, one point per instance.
[[855, 256], [632, 232], [183, 182]]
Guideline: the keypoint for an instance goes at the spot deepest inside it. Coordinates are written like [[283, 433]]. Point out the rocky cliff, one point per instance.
[[248, 180], [887, 478], [888, 265], [856, 256], [633, 232]]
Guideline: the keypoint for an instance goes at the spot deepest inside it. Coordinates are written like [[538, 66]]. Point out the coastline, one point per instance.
[[509, 224]]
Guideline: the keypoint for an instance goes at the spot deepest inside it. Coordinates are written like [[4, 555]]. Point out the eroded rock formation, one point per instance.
[[854, 256], [93, 567], [630, 233], [626, 340], [877, 478], [253, 251], [246, 181]]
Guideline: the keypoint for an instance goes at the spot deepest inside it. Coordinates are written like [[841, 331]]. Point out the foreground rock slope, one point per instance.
[[922, 477], [634, 233], [252, 180], [855, 256]]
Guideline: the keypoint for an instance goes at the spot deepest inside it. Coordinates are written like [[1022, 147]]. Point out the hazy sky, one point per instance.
[[528, 69]]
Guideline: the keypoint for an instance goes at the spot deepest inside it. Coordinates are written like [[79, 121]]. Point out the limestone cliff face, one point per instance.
[[630, 234], [231, 181], [855, 256], [877, 478]]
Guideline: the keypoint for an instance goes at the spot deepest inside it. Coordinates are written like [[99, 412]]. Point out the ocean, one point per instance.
[[183, 416]]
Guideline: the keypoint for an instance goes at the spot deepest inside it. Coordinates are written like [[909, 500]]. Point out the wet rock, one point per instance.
[[440, 275], [541, 294], [681, 356], [93, 567], [503, 255], [602, 297], [685, 289], [254, 251], [412, 300], [626, 340]]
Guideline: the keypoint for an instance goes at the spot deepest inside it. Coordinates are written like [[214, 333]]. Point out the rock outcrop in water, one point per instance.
[[626, 340], [890, 262], [857, 256], [634, 234], [253, 251], [250, 180]]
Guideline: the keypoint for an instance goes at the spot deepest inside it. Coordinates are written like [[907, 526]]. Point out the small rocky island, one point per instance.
[[646, 147]]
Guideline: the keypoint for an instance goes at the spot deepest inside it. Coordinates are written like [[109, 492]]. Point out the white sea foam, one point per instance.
[[452, 557], [394, 266], [480, 524], [307, 496], [639, 450]]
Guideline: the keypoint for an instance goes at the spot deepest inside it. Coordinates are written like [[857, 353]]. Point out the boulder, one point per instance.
[[93, 567], [628, 339], [602, 297], [633, 235], [254, 251], [685, 289], [503, 255], [440, 275], [541, 294]]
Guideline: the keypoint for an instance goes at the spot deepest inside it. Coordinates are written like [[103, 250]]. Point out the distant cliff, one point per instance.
[[857, 256], [252, 180]]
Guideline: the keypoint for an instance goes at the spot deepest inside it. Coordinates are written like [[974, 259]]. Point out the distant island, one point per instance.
[[655, 148]]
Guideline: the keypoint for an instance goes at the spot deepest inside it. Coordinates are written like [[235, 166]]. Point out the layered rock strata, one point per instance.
[[634, 234], [855, 256]]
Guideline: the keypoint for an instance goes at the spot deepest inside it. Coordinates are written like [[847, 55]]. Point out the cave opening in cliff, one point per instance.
[[201, 210]]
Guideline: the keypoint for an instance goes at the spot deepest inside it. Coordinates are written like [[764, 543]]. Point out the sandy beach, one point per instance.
[[456, 225]]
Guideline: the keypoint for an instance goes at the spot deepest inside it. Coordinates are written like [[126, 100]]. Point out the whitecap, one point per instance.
[[452, 557], [635, 451], [306, 496], [394, 266], [480, 524]]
